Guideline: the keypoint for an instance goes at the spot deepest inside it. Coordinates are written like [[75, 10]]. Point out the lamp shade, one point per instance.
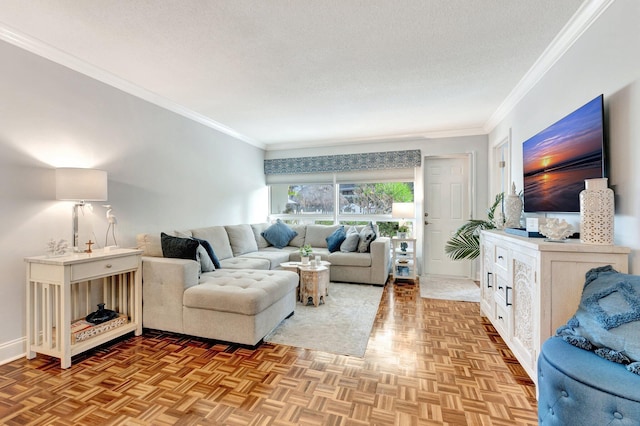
[[402, 210], [81, 184]]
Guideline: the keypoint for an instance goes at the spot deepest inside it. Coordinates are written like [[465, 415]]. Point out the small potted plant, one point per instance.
[[403, 230], [305, 253]]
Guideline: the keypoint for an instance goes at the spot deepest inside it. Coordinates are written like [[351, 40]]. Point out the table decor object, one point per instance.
[[556, 230], [512, 208], [597, 212], [305, 253]]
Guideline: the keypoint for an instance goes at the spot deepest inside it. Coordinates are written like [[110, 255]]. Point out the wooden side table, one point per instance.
[[298, 266], [314, 284], [63, 289]]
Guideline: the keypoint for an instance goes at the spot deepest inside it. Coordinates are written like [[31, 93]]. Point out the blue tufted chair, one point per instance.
[[577, 387]]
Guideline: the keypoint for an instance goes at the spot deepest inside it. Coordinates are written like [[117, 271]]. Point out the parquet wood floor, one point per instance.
[[429, 362]]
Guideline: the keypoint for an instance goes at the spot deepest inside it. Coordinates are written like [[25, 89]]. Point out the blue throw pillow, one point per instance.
[[335, 239], [608, 317], [279, 234], [210, 252]]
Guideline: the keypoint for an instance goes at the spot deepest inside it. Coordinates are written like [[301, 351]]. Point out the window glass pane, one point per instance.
[[373, 198], [303, 199]]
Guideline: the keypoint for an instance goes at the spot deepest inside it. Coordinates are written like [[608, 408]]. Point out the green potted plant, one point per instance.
[[465, 242], [305, 253], [403, 230]]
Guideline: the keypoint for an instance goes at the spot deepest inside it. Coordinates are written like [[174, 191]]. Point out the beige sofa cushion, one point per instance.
[[298, 240], [258, 229], [317, 234], [218, 238], [241, 291], [150, 244], [350, 259], [242, 262], [241, 239]]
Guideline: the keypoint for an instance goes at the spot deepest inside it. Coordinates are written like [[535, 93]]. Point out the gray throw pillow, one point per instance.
[[367, 235], [207, 246], [279, 234], [350, 244], [608, 317], [206, 264]]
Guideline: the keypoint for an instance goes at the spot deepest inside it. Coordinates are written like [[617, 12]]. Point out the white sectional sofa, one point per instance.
[[248, 294]]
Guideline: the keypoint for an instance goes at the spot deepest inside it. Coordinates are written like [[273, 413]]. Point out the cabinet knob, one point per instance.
[[108, 266]]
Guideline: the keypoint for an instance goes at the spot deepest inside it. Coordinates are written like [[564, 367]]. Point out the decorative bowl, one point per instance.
[[556, 229]]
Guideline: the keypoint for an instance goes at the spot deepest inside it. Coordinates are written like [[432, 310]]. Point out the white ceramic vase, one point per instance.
[[512, 209], [597, 212]]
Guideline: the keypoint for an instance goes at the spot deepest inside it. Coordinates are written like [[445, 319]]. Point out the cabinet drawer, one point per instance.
[[501, 257], [502, 319], [100, 268], [501, 285]]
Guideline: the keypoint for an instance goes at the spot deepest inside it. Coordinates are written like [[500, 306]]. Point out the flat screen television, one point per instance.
[[557, 160]]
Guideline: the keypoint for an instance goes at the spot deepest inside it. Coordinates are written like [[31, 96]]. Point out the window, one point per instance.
[[357, 203]]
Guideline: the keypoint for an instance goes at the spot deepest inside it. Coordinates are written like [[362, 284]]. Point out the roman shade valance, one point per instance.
[[343, 162], [380, 166]]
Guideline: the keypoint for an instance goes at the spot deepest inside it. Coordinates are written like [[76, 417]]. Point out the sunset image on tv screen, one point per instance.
[[557, 160]]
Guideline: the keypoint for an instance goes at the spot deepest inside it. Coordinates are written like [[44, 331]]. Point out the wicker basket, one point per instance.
[[82, 330]]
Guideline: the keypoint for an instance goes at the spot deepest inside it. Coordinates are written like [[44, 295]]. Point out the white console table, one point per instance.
[[530, 287], [64, 289]]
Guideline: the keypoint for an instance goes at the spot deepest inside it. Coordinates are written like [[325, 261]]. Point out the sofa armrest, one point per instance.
[[380, 260], [164, 281]]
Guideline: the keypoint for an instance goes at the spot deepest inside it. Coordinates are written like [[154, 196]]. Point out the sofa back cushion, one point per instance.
[[242, 239], [258, 229], [298, 240], [317, 235], [218, 238], [149, 244]]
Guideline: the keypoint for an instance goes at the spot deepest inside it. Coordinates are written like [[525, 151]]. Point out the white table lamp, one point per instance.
[[402, 211], [80, 185]]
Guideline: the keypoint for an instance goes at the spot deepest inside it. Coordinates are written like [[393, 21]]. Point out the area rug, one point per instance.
[[464, 290], [341, 325]]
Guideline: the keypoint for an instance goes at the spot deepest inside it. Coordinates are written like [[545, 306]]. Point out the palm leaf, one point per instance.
[[463, 246], [465, 242]]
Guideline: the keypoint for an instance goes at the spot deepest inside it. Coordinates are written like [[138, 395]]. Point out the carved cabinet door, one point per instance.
[[523, 298]]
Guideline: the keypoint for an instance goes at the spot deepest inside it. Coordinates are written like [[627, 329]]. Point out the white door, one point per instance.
[[446, 186]]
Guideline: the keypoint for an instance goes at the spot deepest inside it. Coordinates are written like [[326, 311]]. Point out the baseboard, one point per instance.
[[12, 350]]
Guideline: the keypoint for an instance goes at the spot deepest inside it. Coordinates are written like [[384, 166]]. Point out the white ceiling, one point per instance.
[[293, 73]]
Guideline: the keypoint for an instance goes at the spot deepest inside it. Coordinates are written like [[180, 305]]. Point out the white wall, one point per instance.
[[165, 171], [604, 60]]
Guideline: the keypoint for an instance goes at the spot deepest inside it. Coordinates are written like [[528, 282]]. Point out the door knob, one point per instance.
[[426, 222], [426, 214]]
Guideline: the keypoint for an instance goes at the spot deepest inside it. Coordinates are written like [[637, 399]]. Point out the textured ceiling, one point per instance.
[[285, 73]]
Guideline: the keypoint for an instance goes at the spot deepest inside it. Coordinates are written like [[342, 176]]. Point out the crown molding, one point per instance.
[[44, 50], [584, 17], [418, 136]]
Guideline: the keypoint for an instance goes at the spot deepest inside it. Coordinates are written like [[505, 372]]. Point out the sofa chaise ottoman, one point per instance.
[[232, 305]]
